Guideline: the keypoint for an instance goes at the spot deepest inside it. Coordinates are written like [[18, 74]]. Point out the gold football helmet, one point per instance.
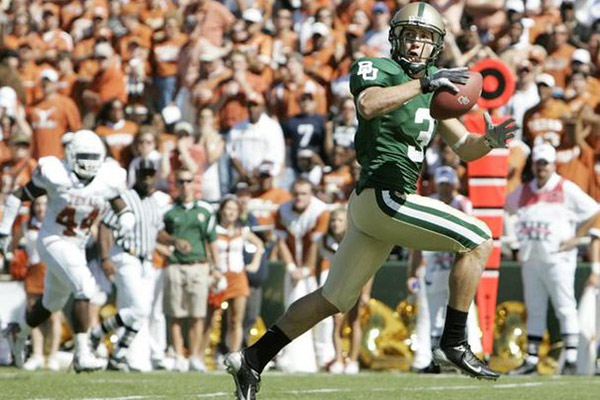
[[420, 15]]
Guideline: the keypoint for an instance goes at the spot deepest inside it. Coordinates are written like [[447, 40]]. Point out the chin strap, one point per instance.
[[411, 68]]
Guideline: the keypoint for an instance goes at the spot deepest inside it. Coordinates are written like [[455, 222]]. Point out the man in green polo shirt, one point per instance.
[[190, 224]]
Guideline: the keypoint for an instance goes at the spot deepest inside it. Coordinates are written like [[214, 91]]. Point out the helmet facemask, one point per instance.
[[85, 154], [87, 165], [400, 38]]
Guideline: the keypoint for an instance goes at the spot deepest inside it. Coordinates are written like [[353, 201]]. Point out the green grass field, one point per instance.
[[17, 385]]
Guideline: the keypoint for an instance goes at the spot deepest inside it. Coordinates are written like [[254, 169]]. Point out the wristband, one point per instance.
[[425, 85], [305, 272], [596, 268]]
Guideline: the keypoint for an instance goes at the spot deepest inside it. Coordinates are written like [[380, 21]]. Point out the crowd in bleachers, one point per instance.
[[250, 95]]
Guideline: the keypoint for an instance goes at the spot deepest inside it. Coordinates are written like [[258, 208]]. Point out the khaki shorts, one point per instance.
[[186, 290], [381, 219]]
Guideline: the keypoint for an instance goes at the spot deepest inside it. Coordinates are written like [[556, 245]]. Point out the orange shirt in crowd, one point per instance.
[[214, 19], [110, 84], [301, 229], [576, 164], [234, 109], [119, 137], [32, 39], [545, 120], [261, 44], [166, 55], [285, 98], [265, 205], [543, 23], [338, 181], [69, 13], [16, 174], [142, 36], [558, 64], [155, 17], [321, 64], [30, 75], [50, 119]]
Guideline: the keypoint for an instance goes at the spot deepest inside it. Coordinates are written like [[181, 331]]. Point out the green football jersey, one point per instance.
[[391, 148]]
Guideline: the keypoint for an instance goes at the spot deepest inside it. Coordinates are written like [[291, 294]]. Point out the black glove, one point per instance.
[[497, 135], [445, 78]]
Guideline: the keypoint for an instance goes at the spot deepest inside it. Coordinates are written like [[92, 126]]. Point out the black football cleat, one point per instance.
[[247, 380], [462, 359], [526, 368], [432, 368], [569, 369]]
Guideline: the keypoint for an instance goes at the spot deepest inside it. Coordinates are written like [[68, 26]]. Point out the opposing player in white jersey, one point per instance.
[[551, 212], [437, 270], [78, 188]]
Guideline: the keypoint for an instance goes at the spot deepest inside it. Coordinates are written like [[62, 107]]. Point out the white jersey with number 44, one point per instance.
[[73, 206]]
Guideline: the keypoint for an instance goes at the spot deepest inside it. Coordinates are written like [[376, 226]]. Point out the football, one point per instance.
[[445, 104]]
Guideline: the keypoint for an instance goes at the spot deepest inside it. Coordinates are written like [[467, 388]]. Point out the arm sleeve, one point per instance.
[[116, 179], [211, 227], [582, 205], [366, 72]]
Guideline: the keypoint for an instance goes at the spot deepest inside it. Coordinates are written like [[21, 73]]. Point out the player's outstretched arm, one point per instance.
[[11, 209], [472, 146]]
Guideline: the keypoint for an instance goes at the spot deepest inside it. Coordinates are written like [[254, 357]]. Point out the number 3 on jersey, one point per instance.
[[422, 116], [66, 218]]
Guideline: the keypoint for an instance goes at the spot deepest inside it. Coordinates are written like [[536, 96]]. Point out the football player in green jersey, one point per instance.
[[392, 97]]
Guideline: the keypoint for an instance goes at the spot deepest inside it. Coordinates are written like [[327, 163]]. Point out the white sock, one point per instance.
[[82, 345], [531, 359], [571, 355]]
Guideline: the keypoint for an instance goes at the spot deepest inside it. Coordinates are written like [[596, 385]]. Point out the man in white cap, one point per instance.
[[552, 212], [437, 266]]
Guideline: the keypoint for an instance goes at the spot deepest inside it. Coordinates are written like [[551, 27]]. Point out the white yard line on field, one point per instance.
[[216, 394]]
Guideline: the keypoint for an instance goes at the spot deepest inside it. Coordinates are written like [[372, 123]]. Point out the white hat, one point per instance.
[[544, 151], [546, 79], [445, 175], [171, 114], [252, 15], [103, 49], [50, 74], [8, 100], [581, 55], [515, 5], [266, 168], [184, 126], [319, 28], [305, 153]]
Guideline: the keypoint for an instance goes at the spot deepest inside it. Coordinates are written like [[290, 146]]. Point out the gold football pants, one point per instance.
[[378, 220]]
